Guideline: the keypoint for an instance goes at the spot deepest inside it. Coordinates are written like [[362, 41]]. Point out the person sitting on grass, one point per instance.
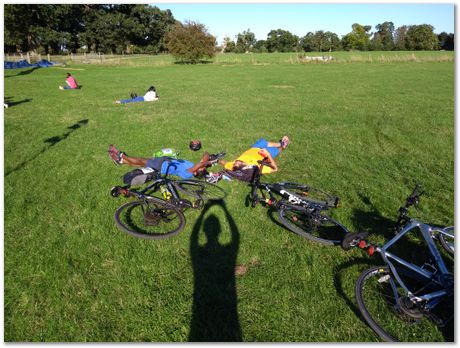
[[165, 165], [243, 167], [151, 95], [70, 81]]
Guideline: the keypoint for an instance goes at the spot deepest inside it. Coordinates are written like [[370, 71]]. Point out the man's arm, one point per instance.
[[271, 161]]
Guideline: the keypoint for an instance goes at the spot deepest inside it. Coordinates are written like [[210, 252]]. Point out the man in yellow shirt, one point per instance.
[[242, 168]]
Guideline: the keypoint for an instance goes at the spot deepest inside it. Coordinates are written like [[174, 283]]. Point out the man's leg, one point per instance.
[[118, 157], [273, 148]]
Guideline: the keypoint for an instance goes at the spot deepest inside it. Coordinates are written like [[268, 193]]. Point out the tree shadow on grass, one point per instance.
[[10, 102], [50, 142], [24, 72], [214, 309]]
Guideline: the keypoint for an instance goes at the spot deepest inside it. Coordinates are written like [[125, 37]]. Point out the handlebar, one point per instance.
[[413, 199]]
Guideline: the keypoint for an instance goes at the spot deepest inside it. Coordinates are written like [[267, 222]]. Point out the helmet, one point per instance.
[[195, 145]]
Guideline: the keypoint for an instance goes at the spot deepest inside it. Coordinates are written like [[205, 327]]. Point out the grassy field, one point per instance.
[[366, 131]]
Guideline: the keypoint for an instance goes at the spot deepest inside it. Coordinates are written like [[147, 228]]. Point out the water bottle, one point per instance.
[[166, 194]]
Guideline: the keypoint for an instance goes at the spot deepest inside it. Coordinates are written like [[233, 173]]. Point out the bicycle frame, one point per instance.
[[440, 275], [277, 188]]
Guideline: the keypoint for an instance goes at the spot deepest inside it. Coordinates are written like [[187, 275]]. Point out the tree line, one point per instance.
[[130, 28], [384, 38]]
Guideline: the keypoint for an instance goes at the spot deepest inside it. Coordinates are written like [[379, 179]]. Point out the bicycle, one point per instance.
[[445, 236], [151, 217], [300, 207], [401, 300]]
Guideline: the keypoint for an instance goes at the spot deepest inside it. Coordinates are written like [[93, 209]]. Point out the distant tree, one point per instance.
[[446, 41], [282, 41], [229, 45], [245, 41], [324, 41], [358, 38], [400, 38], [190, 42], [421, 38], [260, 46], [306, 42], [383, 39]]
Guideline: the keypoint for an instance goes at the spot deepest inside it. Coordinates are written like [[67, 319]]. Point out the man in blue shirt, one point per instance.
[[164, 165]]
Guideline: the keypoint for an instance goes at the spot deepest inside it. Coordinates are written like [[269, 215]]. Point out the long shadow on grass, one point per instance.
[[215, 314], [50, 142], [10, 102], [24, 72]]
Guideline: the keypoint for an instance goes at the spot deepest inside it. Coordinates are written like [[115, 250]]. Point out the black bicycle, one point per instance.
[[301, 208], [404, 300], [153, 217]]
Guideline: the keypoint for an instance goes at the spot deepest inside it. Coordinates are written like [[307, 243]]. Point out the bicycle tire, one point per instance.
[[310, 194], [315, 227], [447, 242], [375, 294], [200, 189], [149, 221]]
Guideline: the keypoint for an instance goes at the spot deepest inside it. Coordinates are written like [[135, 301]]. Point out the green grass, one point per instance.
[[366, 132]]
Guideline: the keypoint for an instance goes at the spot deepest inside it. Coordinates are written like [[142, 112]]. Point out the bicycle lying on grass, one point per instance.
[[300, 207], [403, 301], [152, 217]]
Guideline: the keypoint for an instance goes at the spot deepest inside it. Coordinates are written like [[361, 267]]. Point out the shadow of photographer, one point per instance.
[[214, 309]]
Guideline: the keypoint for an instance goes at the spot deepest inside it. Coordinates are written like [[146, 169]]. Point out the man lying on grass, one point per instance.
[[243, 167], [166, 165]]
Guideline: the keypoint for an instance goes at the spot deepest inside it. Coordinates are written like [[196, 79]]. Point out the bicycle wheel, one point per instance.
[[316, 227], [200, 189], [154, 219], [381, 302], [447, 240], [310, 194]]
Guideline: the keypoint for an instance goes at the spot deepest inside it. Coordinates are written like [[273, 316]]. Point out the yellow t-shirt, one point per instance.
[[250, 157]]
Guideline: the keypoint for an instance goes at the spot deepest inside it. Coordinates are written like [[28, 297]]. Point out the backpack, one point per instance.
[[246, 174]]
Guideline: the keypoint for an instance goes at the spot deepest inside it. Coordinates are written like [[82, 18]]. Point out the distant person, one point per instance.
[[71, 83], [151, 95]]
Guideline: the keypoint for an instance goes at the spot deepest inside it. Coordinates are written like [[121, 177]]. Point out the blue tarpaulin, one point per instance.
[[24, 64]]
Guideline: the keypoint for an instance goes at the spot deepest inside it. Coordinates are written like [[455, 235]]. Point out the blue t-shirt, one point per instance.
[[177, 167]]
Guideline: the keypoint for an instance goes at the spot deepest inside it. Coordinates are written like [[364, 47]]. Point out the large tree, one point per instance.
[[245, 41], [421, 37], [281, 41], [358, 38], [190, 42], [400, 38], [446, 41], [98, 27], [383, 39]]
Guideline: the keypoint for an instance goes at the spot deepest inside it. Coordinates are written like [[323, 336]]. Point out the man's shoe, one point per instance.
[[115, 155], [284, 142], [214, 158], [213, 178]]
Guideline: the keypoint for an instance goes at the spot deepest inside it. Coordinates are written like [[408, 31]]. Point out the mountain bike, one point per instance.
[[401, 300], [444, 236], [301, 208], [153, 217]]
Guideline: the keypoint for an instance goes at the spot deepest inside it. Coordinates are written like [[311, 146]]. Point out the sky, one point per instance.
[[229, 19]]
